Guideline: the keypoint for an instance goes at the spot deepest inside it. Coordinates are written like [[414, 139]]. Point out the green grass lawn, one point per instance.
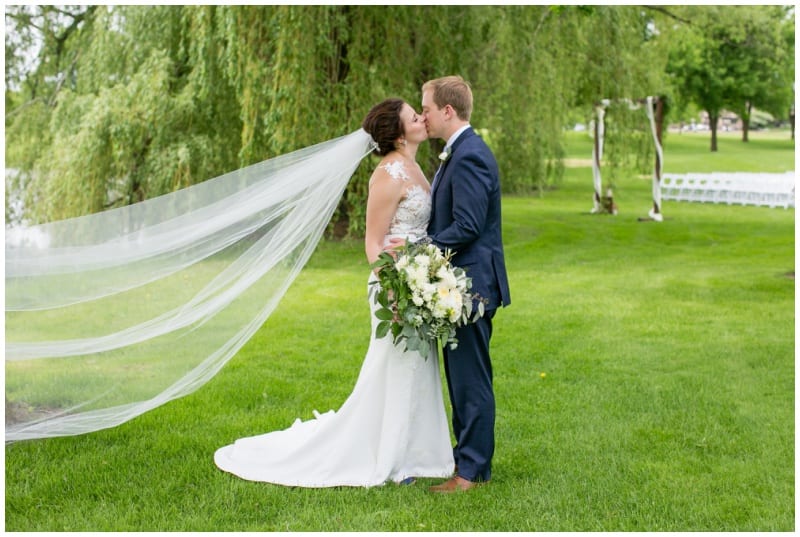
[[644, 377]]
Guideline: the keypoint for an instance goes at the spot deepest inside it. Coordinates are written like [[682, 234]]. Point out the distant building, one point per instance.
[[728, 121]]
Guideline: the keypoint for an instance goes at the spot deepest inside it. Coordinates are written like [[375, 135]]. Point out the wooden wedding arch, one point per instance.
[[654, 107]]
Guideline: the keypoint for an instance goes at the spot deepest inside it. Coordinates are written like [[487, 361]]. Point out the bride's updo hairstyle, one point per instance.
[[384, 125]]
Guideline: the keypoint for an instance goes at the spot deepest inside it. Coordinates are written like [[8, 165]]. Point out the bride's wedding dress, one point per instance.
[[391, 427]]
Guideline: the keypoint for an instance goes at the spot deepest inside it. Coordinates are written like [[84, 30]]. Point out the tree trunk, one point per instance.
[[748, 108], [791, 120], [712, 124]]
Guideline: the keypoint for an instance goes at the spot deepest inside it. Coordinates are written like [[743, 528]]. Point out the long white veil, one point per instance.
[[113, 314]]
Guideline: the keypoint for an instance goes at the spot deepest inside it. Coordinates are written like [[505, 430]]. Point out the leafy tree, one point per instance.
[[762, 59], [623, 61], [145, 113], [697, 62], [33, 82], [734, 57]]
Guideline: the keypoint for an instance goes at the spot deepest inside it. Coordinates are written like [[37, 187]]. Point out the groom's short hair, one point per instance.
[[452, 90]]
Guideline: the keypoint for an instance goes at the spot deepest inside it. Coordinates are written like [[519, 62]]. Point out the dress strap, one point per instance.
[[397, 170]]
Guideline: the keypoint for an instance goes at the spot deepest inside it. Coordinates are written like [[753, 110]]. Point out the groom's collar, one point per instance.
[[455, 135]]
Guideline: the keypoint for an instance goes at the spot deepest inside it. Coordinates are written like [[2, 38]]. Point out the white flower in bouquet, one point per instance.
[[428, 290], [418, 274], [446, 277], [422, 261]]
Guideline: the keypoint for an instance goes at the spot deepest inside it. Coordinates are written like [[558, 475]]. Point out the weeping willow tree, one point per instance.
[[149, 99], [623, 67], [146, 112], [533, 54]]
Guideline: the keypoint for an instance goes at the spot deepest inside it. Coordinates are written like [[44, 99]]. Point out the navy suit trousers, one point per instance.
[[468, 369]]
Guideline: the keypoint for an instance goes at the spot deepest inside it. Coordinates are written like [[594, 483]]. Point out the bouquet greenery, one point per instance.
[[422, 297]]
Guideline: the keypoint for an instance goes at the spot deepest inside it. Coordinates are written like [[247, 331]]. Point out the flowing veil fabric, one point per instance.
[[113, 314]]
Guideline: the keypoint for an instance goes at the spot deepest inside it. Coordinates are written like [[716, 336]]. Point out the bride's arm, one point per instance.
[[385, 194]]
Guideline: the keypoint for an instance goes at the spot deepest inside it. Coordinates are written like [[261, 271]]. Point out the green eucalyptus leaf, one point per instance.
[[382, 329], [384, 314], [409, 331]]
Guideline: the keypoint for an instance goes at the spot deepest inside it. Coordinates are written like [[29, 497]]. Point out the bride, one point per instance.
[[393, 426]]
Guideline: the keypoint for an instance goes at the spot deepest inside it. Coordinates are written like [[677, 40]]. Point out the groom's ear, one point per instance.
[[449, 111]]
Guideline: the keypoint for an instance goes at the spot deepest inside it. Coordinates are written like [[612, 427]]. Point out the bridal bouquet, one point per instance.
[[422, 297]]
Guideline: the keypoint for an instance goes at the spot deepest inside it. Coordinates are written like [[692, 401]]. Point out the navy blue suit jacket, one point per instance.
[[465, 216]]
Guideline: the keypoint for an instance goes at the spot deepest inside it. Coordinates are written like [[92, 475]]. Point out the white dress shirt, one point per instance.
[[456, 135]]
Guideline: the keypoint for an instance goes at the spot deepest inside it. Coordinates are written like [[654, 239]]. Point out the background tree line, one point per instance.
[[124, 103]]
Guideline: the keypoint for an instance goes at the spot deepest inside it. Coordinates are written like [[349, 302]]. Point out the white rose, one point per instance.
[[420, 277], [446, 277], [417, 277], [422, 260]]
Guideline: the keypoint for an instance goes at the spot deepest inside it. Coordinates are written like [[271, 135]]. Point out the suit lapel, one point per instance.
[[439, 175], [437, 178]]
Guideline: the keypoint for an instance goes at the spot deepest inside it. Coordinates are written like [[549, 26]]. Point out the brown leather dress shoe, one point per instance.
[[455, 484]]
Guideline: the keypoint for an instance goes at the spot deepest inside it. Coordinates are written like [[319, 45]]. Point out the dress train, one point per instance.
[[392, 426]]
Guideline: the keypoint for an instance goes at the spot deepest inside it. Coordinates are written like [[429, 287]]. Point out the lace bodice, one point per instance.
[[414, 210]]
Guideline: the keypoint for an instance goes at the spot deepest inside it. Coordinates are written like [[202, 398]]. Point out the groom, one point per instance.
[[465, 217]]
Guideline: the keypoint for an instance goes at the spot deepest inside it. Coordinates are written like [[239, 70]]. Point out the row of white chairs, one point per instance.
[[766, 189]]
